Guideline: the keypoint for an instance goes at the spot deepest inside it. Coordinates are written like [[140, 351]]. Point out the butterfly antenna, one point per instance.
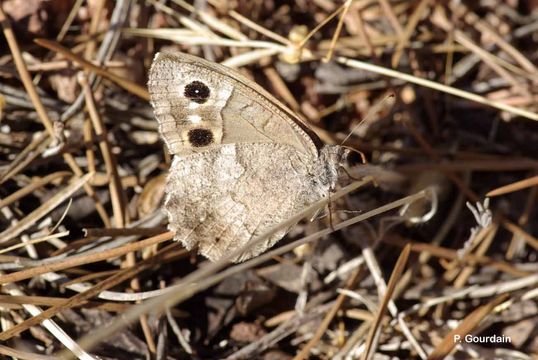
[[372, 111]]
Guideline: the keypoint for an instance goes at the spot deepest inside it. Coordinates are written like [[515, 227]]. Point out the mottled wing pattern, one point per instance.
[[222, 198], [243, 162]]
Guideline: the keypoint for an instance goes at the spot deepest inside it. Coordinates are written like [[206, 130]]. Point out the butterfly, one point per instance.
[[242, 161]]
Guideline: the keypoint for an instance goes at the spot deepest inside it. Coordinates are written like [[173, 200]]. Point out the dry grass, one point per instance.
[[415, 256]]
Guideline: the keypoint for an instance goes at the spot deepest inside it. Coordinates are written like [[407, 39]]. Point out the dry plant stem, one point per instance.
[[200, 279], [449, 63], [250, 57], [88, 139], [285, 329], [409, 28], [319, 26], [470, 17], [40, 142], [337, 32], [143, 319], [473, 292], [40, 109], [281, 88], [305, 351], [492, 61], [214, 267], [450, 254], [84, 259], [367, 315], [530, 295], [87, 277], [216, 23], [50, 325], [483, 247], [517, 243], [352, 341], [105, 52], [518, 185], [33, 186], [436, 86], [62, 218], [279, 318], [188, 22], [366, 40], [34, 241], [58, 65], [23, 72], [67, 24], [270, 34], [375, 329], [116, 191], [44, 209], [470, 322], [425, 256], [105, 243], [376, 272], [130, 261], [517, 230], [94, 25], [344, 269], [389, 13], [503, 287], [79, 299], [101, 179], [454, 268], [472, 165], [19, 354], [128, 85], [192, 38], [117, 295], [177, 330], [507, 224], [51, 301], [139, 231], [430, 302]]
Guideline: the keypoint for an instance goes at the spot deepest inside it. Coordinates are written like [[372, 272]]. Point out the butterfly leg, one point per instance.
[[329, 206], [349, 175]]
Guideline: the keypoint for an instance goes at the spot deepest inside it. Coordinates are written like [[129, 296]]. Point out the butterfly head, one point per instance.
[[333, 157]]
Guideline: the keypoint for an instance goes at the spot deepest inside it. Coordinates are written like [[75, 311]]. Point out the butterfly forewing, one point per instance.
[[200, 104]]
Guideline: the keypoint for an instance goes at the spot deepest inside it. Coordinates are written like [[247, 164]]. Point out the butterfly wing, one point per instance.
[[200, 104], [222, 198], [243, 162]]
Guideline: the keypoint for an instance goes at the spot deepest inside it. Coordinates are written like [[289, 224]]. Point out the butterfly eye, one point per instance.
[[200, 137], [197, 91]]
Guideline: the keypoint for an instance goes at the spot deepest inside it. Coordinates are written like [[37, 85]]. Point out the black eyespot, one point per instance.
[[197, 91], [200, 137]]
